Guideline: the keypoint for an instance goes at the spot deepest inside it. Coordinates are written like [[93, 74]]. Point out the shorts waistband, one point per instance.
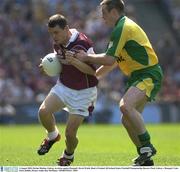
[[146, 69]]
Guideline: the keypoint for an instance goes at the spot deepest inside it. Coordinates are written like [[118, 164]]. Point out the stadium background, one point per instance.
[[24, 40]]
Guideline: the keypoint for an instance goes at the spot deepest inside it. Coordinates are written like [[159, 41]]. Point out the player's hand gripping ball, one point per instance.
[[51, 64]]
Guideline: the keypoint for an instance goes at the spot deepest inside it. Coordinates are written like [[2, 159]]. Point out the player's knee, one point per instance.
[[43, 112], [125, 108]]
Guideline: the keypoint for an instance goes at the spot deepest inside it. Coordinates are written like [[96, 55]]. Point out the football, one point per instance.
[[51, 64]]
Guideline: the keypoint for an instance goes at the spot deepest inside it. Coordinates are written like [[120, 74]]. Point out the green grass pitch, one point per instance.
[[99, 145]]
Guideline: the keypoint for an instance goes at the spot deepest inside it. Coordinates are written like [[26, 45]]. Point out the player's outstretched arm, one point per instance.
[[83, 67], [104, 70], [101, 59]]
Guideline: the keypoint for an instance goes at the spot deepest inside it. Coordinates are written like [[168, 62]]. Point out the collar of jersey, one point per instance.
[[73, 37], [120, 18]]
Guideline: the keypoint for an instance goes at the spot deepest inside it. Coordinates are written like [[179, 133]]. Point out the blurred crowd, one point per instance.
[[169, 53], [172, 7], [25, 40], [176, 16]]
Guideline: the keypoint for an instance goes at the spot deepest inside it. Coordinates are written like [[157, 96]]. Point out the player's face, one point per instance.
[[107, 16], [60, 36]]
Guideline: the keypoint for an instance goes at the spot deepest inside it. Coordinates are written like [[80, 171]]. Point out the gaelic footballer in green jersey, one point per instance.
[[130, 50], [135, 56]]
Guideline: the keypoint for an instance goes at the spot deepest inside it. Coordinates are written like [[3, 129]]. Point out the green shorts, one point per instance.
[[148, 79]]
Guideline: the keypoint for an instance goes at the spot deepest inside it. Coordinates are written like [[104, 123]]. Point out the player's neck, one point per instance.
[[118, 18], [68, 38]]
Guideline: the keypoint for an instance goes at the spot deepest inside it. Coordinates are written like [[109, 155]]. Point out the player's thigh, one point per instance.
[[134, 97], [141, 105], [52, 103], [73, 123]]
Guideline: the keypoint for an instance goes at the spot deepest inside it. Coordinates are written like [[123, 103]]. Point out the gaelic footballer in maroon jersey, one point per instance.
[[70, 75], [75, 90]]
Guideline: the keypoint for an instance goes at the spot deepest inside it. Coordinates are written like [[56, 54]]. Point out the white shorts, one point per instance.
[[76, 101]]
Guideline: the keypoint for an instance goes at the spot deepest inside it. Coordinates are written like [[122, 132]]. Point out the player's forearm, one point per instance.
[[104, 70], [101, 59], [83, 67]]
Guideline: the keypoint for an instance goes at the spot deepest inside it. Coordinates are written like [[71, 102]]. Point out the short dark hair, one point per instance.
[[117, 4], [57, 19]]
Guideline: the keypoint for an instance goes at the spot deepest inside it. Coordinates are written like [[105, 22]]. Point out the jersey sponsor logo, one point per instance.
[[120, 59]]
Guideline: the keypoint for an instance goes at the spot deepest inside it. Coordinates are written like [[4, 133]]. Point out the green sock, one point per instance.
[[144, 139]]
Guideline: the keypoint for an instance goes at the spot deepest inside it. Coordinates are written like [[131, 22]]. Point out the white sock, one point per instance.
[[67, 156], [52, 135]]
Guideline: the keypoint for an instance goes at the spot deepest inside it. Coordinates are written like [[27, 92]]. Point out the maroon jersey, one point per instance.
[[70, 75]]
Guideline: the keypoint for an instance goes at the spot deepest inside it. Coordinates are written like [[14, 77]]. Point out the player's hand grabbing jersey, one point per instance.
[[70, 75]]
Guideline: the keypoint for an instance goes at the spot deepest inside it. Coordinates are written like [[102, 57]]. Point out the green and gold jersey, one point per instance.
[[131, 47]]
